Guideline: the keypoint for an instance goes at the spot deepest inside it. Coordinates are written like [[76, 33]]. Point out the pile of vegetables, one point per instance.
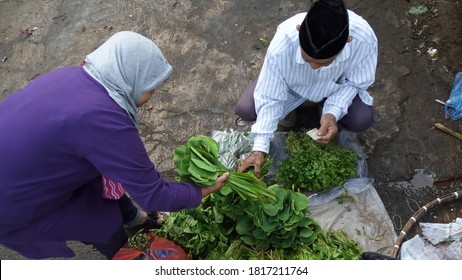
[[248, 218], [227, 227], [314, 167], [139, 241], [197, 161], [198, 231]]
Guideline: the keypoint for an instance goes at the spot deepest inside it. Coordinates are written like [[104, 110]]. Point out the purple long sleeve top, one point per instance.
[[57, 136]]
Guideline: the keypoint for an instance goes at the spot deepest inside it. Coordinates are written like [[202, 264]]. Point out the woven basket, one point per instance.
[[418, 215]]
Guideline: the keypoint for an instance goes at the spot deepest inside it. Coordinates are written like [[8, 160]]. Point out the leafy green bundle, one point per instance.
[[197, 161], [315, 167], [333, 245], [227, 227], [279, 224], [198, 230]]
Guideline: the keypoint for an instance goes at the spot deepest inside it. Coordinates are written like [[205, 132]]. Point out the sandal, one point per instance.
[[148, 221]]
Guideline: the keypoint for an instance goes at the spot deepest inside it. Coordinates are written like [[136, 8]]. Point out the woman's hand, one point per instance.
[[255, 159], [219, 183], [328, 129]]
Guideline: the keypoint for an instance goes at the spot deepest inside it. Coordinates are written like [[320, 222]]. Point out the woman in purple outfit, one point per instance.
[[66, 129]]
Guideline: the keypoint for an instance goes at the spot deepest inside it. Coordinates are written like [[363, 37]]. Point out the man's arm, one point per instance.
[[270, 94], [359, 76]]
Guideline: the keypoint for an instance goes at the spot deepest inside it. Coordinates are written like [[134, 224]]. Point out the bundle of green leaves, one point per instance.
[[283, 223], [280, 224], [333, 245], [198, 231], [226, 227], [314, 167], [197, 161]]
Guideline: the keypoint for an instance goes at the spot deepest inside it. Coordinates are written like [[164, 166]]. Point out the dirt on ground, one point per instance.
[[216, 47]]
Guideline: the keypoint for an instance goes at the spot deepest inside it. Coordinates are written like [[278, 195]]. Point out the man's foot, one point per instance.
[[242, 123]]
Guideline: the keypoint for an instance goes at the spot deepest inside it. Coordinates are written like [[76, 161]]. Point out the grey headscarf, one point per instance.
[[128, 65]]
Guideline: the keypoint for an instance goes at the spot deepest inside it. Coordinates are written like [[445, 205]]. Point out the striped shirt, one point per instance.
[[286, 80]]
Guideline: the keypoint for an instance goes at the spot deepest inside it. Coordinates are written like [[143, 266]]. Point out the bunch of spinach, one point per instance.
[[280, 224], [314, 167], [197, 161]]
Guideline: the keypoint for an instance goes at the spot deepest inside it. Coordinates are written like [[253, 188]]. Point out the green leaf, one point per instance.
[[267, 225], [260, 234], [284, 214], [282, 242], [307, 221], [178, 154], [300, 202], [244, 226], [294, 219], [226, 190], [270, 209], [202, 165], [306, 232], [247, 239], [418, 10]]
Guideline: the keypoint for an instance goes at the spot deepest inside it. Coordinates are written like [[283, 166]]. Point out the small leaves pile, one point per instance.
[[139, 241], [197, 161], [314, 167]]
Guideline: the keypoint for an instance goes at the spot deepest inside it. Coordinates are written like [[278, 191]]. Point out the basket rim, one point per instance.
[[418, 215]]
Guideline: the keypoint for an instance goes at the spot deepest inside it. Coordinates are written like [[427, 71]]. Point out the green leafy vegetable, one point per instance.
[[230, 225], [139, 241], [197, 161], [315, 167]]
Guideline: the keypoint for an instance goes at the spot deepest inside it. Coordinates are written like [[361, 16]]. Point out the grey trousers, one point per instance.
[[359, 118]]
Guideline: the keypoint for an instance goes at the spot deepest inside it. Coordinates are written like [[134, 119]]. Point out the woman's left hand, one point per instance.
[[219, 183]]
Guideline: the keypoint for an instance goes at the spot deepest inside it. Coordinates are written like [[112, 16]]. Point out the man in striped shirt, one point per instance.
[[327, 56]]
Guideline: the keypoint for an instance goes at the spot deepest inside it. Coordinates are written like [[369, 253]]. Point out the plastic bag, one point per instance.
[[160, 249], [453, 107], [233, 146]]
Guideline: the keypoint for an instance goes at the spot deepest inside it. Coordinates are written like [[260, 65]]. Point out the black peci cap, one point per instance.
[[324, 31]]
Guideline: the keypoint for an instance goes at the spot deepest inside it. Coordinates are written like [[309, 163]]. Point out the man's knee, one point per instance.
[[246, 111], [359, 120]]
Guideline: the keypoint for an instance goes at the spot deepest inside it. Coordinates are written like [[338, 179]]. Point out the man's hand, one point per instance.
[[219, 183], [328, 129], [255, 159]]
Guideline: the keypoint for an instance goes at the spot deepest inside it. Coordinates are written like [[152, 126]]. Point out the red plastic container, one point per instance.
[[160, 249]]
